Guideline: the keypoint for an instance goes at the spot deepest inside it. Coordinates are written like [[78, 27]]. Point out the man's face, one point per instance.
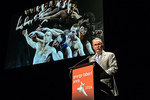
[[83, 30], [47, 37], [74, 31], [97, 46]]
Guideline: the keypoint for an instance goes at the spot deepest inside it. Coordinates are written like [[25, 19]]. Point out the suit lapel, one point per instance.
[[102, 57]]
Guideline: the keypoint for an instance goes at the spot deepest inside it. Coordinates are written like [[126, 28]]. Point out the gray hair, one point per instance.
[[97, 39]]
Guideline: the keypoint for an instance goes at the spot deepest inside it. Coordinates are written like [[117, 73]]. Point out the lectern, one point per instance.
[[85, 81]]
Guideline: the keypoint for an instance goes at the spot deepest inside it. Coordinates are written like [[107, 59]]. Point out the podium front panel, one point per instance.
[[83, 83]]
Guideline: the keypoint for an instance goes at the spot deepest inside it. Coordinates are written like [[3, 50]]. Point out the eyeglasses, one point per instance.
[[98, 44]]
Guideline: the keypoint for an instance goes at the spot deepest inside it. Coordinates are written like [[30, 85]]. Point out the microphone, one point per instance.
[[80, 62], [77, 64]]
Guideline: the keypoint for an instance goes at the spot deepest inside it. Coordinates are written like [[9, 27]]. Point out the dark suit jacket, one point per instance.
[[109, 63]]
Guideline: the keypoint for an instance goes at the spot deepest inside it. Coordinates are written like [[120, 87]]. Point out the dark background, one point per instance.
[[126, 26]]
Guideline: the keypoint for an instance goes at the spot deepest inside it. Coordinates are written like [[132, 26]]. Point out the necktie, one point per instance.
[[97, 58]]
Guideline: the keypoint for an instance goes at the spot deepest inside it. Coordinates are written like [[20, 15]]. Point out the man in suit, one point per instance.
[[107, 61]]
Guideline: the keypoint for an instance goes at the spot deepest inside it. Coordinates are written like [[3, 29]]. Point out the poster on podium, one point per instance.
[[83, 83]]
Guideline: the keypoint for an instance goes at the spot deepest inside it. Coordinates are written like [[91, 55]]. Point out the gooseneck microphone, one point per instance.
[[70, 68], [80, 62]]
